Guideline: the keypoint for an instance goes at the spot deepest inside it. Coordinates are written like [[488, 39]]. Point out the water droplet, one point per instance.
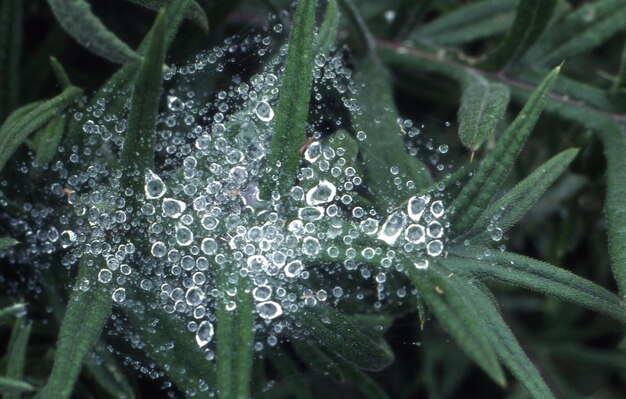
[[262, 293], [369, 226], [415, 234], [119, 295], [293, 268], [392, 228], [154, 186], [209, 246], [173, 208], [313, 151], [184, 236], [417, 206], [67, 238], [204, 333], [434, 248], [322, 193], [435, 230], [311, 213], [158, 249], [496, 234], [310, 246], [209, 222], [257, 263], [269, 310], [194, 296], [421, 264], [264, 111], [437, 209], [104, 276], [174, 103]]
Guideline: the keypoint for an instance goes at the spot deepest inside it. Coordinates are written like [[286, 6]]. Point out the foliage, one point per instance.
[[538, 163]]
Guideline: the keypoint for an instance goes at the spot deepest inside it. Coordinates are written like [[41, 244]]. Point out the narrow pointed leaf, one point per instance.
[[358, 27], [16, 352], [384, 147], [461, 320], [587, 27], [531, 19], [76, 18], [483, 104], [471, 22], [10, 385], [19, 130], [12, 310], [327, 35], [336, 332], [7, 242], [293, 104], [291, 376], [505, 212], [234, 339], [538, 276], [194, 11], [492, 173], [106, 371], [59, 72], [88, 309], [138, 151], [49, 139], [10, 51], [503, 341]]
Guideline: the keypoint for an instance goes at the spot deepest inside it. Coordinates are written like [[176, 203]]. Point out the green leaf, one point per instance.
[[531, 19], [7, 242], [234, 339], [16, 352], [483, 104], [10, 52], [138, 152], [12, 135], [48, 140], [502, 339], [291, 376], [318, 360], [336, 332], [12, 310], [471, 22], [384, 147], [505, 212], [535, 275], [327, 35], [9, 385], [59, 72], [461, 321], [587, 27], [620, 83], [293, 104], [88, 309], [194, 12], [78, 21], [358, 27], [106, 371], [479, 191]]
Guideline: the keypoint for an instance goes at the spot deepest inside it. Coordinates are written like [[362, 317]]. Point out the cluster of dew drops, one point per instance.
[[201, 211]]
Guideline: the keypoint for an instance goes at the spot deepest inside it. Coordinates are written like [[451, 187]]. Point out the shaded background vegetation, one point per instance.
[[580, 353]]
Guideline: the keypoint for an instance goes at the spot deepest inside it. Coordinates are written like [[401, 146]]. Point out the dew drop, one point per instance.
[[322, 193], [434, 248], [154, 186], [173, 208], [264, 111], [194, 296], [392, 228], [204, 333], [269, 310], [416, 207], [415, 234], [209, 246], [293, 268], [119, 295], [104, 276], [421, 264], [184, 236], [437, 209], [262, 293], [435, 230]]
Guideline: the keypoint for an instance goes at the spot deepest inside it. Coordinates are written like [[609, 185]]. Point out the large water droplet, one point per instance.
[[415, 234], [322, 193], [264, 111], [209, 222], [435, 230], [194, 296], [310, 246], [173, 208], [184, 236], [204, 333], [437, 209], [154, 187], [434, 248], [209, 246], [119, 295], [293, 268], [313, 151], [257, 263], [269, 310], [262, 293], [417, 206], [392, 228]]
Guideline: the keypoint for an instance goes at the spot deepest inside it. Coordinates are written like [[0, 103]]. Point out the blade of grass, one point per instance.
[[583, 29], [7, 242], [505, 212], [327, 36], [537, 276], [501, 338], [48, 140], [106, 371], [16, 352], [483, 104], [12, 310], [194, 12], [11, 386], [19, 130], [235, 338], [10, 52], [531, 19], [479, 191], [59, 72], [462, 321], [78, 21], [293, 104], [337, 333], [88, 309], [138, 151]]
